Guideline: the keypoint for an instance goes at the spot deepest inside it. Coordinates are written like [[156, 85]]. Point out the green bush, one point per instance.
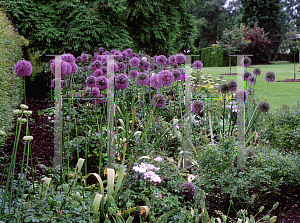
[[216, 57], [281, 129], [11, 88]]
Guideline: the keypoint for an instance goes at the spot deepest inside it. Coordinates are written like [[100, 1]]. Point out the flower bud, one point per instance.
[[23, 107], [17, 112], [22, 120], [28, 138], [27, 113]]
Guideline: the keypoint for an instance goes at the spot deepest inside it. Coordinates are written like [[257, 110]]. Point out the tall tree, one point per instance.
[[268, 15], [160, 27]]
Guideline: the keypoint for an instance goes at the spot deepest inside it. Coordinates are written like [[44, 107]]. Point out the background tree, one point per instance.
[[291, 42], [268, 15]]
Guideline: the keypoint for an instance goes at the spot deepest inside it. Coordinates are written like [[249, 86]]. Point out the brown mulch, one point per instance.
[[41, 129]]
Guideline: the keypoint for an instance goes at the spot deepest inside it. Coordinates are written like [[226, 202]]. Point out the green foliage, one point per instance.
[[215, 57], [281, 128], [11, 87]]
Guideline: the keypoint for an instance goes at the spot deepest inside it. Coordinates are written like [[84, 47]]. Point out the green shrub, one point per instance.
[[216, 57], [11, 88], [281, 128]]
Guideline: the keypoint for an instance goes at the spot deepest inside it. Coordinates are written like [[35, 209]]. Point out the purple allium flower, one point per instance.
[[165, 68], [175, 66], [74, 68], [105, 53], [166, 77], [270, 76], [101, 49], [124, 54], [263, 106], [221, 76], [101, 82], [177, 75], [159, 100], [180, 58], [154, 66], [197, 106], [99, 57], [69, 68], [188, 190], [172, 59], [96, 54], [23, 68], [154, 82], [140, 55], [197, 65], [96, 65], [68, 58], [78, 59], [246, 75], [161, 60], [241, 95], [158, 159], [129, 52], [91, 81], [84, 57], [121, 66], [98, 73], [257, 71], [246, 61], [127, 59], [142, 79], [94, 93], [134, 62], [232, 85], [224, 88], [104, 63], [104, 70], [134, 55], [144, 65], [113, 51], [251, 80], [121, 81], [133, 74], [103, 59]]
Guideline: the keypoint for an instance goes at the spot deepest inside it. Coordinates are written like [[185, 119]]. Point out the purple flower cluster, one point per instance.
[[224, 88], [98, 73], [197, 106], [101, 82], [263, 106], [246, 75], [23, 68], [121, 82], [251, 80], [134, 62], [270, 76], [84, 57], [166, 77], [232, 85], [180, 58], [159, 100], [154, 82], [94, 92], [246, 61], [188, 190], [96, 65], [161, 60], [133, 74], [197, 65], [142, 79], [257, 71]]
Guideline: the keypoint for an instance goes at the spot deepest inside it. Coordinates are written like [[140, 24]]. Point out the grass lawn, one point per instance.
[[277, 93]]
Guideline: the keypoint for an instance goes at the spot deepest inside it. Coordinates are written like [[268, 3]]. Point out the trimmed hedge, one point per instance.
[[11, 88], [216, 57]]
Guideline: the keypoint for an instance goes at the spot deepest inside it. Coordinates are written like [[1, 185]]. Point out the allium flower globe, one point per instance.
[[84, 57], [121, 82], [96, 54], [172, 60], [232, 85], [251, 80], [257, 71], [263, 106], [224, 88], [197, 65], [74, 68], [142, 79], [154, 66], [96, 65], [121, 66], [241, 95], [134, 62], [246, 61], [144, 65], [23, 68], [78, 59], [197, 106], [101, 82], [69, 68], [270, 76], [91, 81], [175, 66], [159, 100], [246, 75], [68, 58], [166, 77], [129, 51], [154, 82], [177, 74], [94, 92], [101, 49], [104, 70], [180, 58], [98, 73], [188, 190], [161, 60], [133, 74]]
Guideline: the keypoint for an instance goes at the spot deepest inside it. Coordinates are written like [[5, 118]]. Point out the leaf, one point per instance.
[[96, 203]]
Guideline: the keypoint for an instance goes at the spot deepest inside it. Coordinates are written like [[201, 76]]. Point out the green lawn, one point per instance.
[[277, 93]]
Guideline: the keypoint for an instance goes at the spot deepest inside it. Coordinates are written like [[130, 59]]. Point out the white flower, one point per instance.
[[144, 59], [158, 159], [224, 80], [28, 138], [209, 75], [27, 113], [22, 120], [152, 167], [2, 133], [218, 79], [17, 112], [23, 107], [139, 169]]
